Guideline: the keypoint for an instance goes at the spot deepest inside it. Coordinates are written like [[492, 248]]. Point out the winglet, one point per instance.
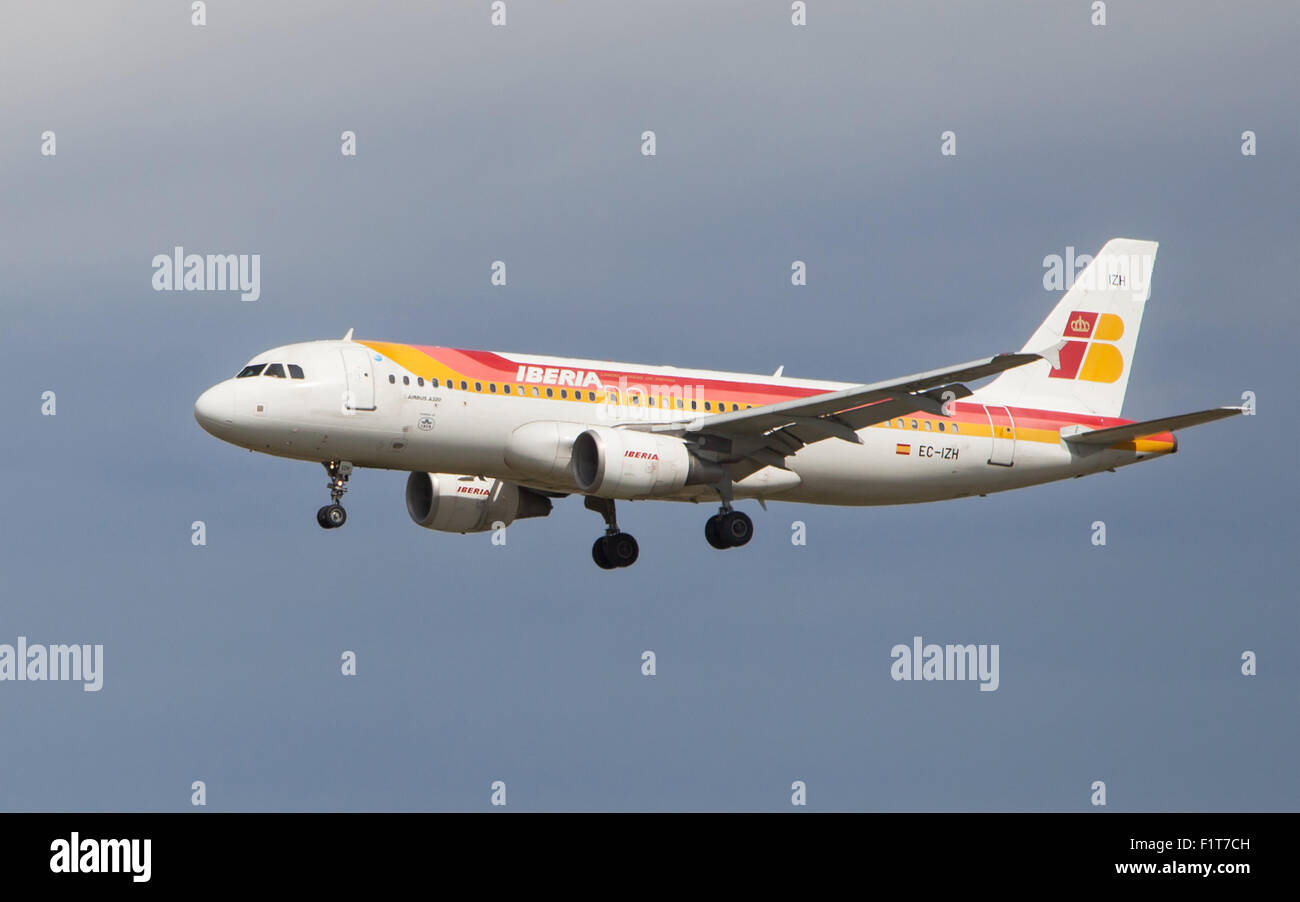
[[348, 337]]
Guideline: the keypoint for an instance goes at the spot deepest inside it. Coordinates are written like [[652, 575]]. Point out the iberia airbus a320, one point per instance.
[[491, 437]]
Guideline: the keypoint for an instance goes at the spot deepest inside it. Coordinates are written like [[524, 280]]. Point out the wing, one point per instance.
[[765, 436]]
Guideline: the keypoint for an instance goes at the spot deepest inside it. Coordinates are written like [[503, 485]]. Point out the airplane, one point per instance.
[[490, 437]]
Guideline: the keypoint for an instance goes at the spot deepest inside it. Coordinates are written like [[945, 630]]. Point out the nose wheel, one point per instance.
[[615, 548], [332, 515]]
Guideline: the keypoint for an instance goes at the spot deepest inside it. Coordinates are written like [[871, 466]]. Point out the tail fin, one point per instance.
[[1099, 319]]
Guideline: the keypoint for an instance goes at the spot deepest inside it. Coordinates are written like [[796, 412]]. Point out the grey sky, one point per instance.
[[775, 143]]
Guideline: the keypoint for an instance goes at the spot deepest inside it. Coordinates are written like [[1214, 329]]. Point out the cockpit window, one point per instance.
[[251, 370], [275, 370], [295, 371]]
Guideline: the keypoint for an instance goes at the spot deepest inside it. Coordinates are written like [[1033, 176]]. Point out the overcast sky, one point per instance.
[[476, 143]]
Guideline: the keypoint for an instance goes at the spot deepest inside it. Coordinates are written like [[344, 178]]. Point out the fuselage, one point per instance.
[[436, 409]]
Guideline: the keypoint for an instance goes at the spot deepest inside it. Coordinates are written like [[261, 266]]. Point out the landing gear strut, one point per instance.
[[614, 548], [728, 528], [332, 515]]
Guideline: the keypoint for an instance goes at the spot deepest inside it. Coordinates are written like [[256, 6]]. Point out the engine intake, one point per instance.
[[451, 503], [625, 463]]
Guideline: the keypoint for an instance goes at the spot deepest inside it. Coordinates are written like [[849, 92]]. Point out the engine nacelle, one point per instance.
[[624, 463], [541, 451], [451, 503]]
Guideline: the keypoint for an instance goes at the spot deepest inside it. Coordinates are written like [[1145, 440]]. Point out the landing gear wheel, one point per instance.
[[713, 533], [729, 530], [737, 528], [620, 549], [598, 555], [331, 516], [615, 550]]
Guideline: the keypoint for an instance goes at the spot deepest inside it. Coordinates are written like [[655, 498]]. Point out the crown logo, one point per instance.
[[1080, 324]]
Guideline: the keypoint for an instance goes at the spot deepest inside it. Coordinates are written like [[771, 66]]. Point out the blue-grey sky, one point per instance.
[[774, 143]]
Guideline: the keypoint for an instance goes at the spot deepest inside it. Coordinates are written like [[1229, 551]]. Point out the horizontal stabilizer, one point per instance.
[[1131, 431]]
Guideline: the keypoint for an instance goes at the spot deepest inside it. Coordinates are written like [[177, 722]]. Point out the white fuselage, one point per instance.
[[362, 405]]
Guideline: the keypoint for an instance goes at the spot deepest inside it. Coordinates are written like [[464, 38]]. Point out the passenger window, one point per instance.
[[492, 387], [954, 428], [251, 370], [914, 424], [927, 425], [564, 393], [941, 426], [591, 396], [419, 380], [634, 399], [406, 380], [275, 371], [535, 395], [613, 397], [708, 405], [464, 386], [433, 382], [392, 380], [650, 402], [693, 405], [735, 407], [295, 371], [478, 386], [506, 389]]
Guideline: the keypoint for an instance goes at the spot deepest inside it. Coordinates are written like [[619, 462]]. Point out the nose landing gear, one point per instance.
[[332, 515]]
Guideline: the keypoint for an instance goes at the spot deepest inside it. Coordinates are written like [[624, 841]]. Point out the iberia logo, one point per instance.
[[1088, 353]]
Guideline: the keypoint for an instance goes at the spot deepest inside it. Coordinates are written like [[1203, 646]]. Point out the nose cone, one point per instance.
[[215, 408]]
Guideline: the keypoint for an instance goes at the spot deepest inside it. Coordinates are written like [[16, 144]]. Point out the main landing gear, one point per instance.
[[332, 515], [728, 528], [614, 548]]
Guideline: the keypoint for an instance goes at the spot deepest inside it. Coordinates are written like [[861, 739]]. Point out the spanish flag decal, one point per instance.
[[902, 449]]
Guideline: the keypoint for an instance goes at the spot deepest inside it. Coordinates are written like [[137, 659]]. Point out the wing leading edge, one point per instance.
[[767, 435]]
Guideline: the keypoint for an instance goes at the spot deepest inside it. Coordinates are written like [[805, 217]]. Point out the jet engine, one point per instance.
[[451, 503], [625, 463]]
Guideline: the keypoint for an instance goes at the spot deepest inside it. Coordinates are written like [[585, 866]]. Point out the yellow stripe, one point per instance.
[[408, 358], [421, 364]]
